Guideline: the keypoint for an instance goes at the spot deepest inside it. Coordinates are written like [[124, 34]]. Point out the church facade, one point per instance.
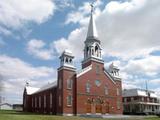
[[93, 90]]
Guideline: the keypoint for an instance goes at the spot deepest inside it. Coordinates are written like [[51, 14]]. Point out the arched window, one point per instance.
[[106, 90], [88, 86], [69, 100], [96, 50], [97, 69], [70, 60], [66, 60], [118, 91], [92, 52], [69, 84]]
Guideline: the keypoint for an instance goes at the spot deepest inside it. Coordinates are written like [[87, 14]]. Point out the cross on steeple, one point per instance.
[[91, 7]]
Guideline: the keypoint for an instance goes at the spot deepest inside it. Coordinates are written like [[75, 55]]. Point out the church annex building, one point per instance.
[[93, 90]]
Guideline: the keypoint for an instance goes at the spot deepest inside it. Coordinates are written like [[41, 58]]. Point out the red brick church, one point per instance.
[[93, 90]]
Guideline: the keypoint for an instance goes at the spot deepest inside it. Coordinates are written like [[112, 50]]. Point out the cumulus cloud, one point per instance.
[[16, 72], [73, 42], [37, 49], [148, 66], [127, 29], [64, 3], [135, 72], [16, 15]]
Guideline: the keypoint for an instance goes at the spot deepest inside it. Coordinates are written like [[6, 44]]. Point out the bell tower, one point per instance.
[[66, 84], [92, 49]]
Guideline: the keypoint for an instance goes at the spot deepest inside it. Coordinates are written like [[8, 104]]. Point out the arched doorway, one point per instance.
[[107, 107], [98, 105], [88, 106]]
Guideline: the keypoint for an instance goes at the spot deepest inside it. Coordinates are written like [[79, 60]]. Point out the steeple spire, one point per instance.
[[92, 49], [92, 31]]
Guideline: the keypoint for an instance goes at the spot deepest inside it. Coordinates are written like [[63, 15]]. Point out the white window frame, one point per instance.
[[69, 84], [69, 100], [118, 104], [118, 91], [88, 87], [106, 90]]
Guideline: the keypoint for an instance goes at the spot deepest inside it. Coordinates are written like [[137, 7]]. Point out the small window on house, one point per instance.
[[132, 99], [69, 84], [106, 90], [125, 99], [69, 100], [88, 86]]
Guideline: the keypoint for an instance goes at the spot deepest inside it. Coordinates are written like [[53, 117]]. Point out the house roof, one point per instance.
[[6, 104], [138, 92]]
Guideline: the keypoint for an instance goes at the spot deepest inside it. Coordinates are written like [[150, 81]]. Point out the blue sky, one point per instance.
[[34, 34]]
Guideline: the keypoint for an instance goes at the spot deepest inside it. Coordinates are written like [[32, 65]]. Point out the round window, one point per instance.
[[98, 82]]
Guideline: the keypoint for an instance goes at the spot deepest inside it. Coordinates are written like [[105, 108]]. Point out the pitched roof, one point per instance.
[[138, 92], [48, 86], [31, 90]]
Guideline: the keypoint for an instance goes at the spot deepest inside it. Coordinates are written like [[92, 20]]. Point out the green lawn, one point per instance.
[[13, 115]]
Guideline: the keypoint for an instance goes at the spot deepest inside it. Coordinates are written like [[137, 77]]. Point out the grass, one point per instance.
[[13, 115]]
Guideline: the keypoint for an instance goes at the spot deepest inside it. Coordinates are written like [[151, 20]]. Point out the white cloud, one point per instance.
[[136, 72], [149, 66], [15, 14], [38, 50], [73, 42], [129, 30], [64, 3], [14, 73], [80, 15]]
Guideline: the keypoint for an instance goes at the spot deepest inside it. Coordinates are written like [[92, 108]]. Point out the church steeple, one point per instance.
[[92, 31], [92, 49]]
